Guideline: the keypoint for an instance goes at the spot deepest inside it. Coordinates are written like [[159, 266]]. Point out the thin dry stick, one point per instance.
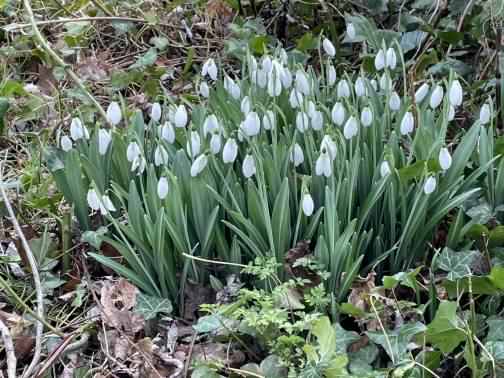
[[45, 46], [9, 350], [36, 277]]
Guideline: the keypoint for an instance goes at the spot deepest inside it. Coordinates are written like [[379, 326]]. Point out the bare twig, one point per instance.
[[36, 278], [9, 350], [45, 46]]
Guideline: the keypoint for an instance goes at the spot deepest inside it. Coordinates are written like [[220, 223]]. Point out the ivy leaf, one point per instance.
[[146, 60], [495, 330], [149, 307], [444, 331], [457, 264], [496, 349], [404, 278], [208, 323], [344, 338]]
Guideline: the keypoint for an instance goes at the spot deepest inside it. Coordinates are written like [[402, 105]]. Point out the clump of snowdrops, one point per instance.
[[282, 153]]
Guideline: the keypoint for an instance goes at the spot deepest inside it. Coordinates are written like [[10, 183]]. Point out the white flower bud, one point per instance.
[[204, 90], [328, 47], [360, 87], [93, 200], [198, 165], [331, 75], [323, 165], [366, 117], [445, 159], [65, 143], [114, 114], [252, 124], [160, 156], [351, 128], [338, 114], [394, 102], [380, 60], [162, 188], [133, 151], [269, 120], [384, 169], [297, 156], [156, 112], [436, 97], [407, 123], [215, 143], [421, 93], [391, 58], [167, 132], [210, 125], [230, 151], [317, 120], [307, 205], [343, 89], [248, 167], [286, 77], [430, 185], [245, 105], [295, 98], [485, 114], [302, 122], [194, 145], [181, 116], [302, 83], [210, 69], [77, 130], [104, 139], [456, 93]]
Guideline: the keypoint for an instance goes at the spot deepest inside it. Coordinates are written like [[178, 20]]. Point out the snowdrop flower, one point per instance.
[[77, 130], [245, 105], [133, 151], [328, 47], [374, 84], [180, 117], [167, 132], [328, 145], [317, 120], [160, 156], [248, 167], [194, 145], [451, 113], [350, 30], [114, 114], [286, 77], [436, 97], [215, 143], [331, 75], [366, 117], [65, 143], [232, 88], [210, 69], [210, 125], [485, 114], [384, 169], [230, 151], [456, 94], [385, 83], [262, 80], [302, 122], [351, 128], [104, 205], [430, 185], [394, 102], [323, 165], [391, 58], [297, 156], [274, 83], [198, 165], [380, 61], [266, 63], [204, 90], [93, 200], [307, 204], [360, 87], [343, 89], [407, 123], [162, 188], [283, 56], [104, 139], [445, 159], [338, 114], [295, 98], [421, 93], [252, 124], [269, 120], [155, 113], [302, 83], [138, 164], [312, 108]]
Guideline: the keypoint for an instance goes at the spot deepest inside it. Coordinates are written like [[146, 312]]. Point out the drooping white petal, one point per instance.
[[456, 94], [266, 63], [307, 205], [286, 77], [338, 114], [156, 112], [394, 102], [323, 165], [384, 169], [351, 128], [436, 97], [215, 143], [374, 84], [302, 83], [274, 84], [194, 145], [297, 155], [181, 116], [204, 90], [167, 132], [198, 165], [248, 167], [133, 151], [343, 89], [317, 120], [107, 204], [210, 69], [485, 114], [261, 80], [380, 60], [421, 93], [312, 108], [430, 185], [328, 47], [329, 146], [385, 83], [114, 114], [210, 125], [104, 139], [445, 159], [451, 113], [407, 123], [366, 117], [138, 164], [245, 105], [360, 87], [160, 156], [65, 143], [331, 75], [350, 30], [93, 200], [269, 120], [302, 122], [295, 98], [230, 151], [391, 58], [76, 129], [162, 188], [252, 124], [232, 87]]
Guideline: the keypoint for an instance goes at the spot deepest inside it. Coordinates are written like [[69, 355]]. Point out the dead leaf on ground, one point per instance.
[[93, 69]]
